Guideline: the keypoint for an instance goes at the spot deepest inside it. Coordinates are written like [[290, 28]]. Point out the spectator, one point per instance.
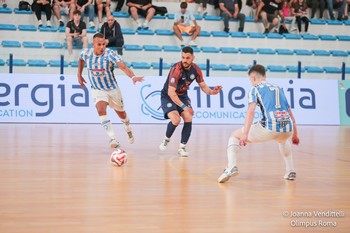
[[230, 9], [288, 13], [61, 5], [113, 34], [300, 12], [346, 10], [4, 5], [202, 6], [270, 12], [42, 5], [103, 7], [84, 6], [336, 4], [316, 4], [76, 33], [182, 23], [252, 4], [119, 5], [143, 8]]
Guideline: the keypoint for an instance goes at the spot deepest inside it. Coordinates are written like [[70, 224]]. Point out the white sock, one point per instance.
[[182, 146], [233, 149], [138, 22], [146, 23], [286, 151], [107, 125]]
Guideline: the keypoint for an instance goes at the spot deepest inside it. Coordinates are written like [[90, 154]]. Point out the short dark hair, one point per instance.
[[187, 49], [183, 5], [76, 12], [98, 35], [258, 69]]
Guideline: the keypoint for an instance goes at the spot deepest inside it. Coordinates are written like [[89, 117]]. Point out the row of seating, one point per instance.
[[156, 65], [173, 48]]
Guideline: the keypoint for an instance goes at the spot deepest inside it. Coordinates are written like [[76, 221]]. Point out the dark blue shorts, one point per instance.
[[168, 105]]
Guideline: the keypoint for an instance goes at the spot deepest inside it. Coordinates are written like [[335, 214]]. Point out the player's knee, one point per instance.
[[176, 121]]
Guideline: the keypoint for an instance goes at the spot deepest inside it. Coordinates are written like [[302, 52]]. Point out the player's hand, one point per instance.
[[81, 81], [243, 140], [136, 79], [189, 109], [216, 90], [295, 140]]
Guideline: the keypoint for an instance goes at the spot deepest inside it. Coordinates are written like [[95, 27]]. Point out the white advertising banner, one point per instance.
[[60, 99]]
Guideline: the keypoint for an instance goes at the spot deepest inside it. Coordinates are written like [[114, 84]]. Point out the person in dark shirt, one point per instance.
[[270, 11], [175, 101], [143, 8], [113, 34]]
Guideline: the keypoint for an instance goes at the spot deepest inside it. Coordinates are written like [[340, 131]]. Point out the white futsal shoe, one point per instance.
[[113, 143], [227, 174], [290, 176], [164, 144], [182, 152]]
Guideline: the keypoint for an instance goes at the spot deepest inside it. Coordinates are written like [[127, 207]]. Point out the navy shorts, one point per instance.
[[168, 105]]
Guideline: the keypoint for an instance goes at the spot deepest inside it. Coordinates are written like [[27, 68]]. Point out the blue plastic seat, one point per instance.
[[11, 43], [228, 50], [17, 62], [57, 63], [290, 36], [171, 48], [274, 68], [152, 48], [27, 28], [170, 16], [294, 69], [247, 50], [164, 32], [202, 66], [37, 62], [274, 36], [339, 53], [159, 17], [284, 52], [120, 14], [313, 69], [23, 12], [239, 67], [156, 65], [302, 52], [209, 49], [51, 29], [317, 21], [145, 32], [212, 18], [332, 70], [128, 31], [334, 22], [8, 27], [195, 49], [31, 44], [256, 35], [222, 67], [132, 47], [239, 34], [52, 45], [140, 65], [310, 37], [2, 63], [343, 38], [266, 51], [327, 37], [91, 30], [5, 10], [320, 52], [197, 17], [204, 33], [347, 22], [220, 34]]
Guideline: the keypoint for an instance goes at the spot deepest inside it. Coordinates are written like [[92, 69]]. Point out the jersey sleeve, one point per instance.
[[83, 54], [174, 75], [199, 76], [113, 56], [252, 95]]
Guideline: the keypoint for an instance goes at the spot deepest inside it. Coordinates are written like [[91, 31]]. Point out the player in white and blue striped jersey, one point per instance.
[[104, 87], [277, 124]]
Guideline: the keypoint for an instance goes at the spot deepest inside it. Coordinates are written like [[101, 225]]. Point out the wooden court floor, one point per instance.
[[58, 178]]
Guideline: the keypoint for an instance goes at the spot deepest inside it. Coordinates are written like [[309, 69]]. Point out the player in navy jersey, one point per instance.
[[175, 101], [104, 87], [277, 124]]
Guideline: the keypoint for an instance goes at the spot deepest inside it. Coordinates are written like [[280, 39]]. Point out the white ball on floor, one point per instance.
[[119, 157]]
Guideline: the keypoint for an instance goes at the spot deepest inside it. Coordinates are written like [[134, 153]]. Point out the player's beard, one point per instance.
[[186, 65]]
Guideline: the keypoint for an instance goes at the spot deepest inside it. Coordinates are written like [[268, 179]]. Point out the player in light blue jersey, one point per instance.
[[104, 87], [277, 124]]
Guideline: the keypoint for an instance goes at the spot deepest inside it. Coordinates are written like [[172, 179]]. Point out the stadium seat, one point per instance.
[[31, 44], [239, 34], [347, 22], [256, 35], [52, 45], [17, 62], [334, 22], [132, 47], [145, 32], [212, 18], [57, 63], [164, 32], [18, 11], [222, 67], [50, 29], [320, 52], [247, 50], [284, 52], [140, 65], [220, 34], [159, 17], [209, 49], [204, 33], [228, 50], [155, 65], [2, 63], [339, 53], [343, 38], [313, 69], [91, 30], [290, 36], [294, 69], [317, 21], [27, 28], [120, 14], [327, 37], [239, 67], [274, 36], [37, 62], [152, 48], [5, 10], [170, 16], [198, 17], [171, 48], [266, 51], [8, 27], [273, 68], [310, 37], [11, 43], [128, 31], [74, 64], [249, 19], [302, 52], [332, 70], [195, 49]]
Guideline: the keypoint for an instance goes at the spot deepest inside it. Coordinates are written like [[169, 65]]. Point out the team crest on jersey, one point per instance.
[[192, 76], [169, 105], [172, 80]]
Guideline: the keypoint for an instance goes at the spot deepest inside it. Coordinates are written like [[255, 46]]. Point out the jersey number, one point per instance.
[[277, 96]]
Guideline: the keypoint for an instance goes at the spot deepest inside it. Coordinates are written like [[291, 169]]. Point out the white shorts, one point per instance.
[[258, 133], [112, 97]]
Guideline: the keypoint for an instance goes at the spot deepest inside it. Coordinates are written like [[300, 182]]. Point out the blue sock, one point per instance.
[[170, 129], [186, 132]]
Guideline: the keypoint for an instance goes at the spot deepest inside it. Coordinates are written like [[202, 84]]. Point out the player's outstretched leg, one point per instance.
[[127, 128], [286, 151], [185, 136], [232, 150], [169, 132], [227, 174], [107, 125]]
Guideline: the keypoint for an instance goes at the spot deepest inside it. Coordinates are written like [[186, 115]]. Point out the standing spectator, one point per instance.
[[182, 23], [336, 4], [202, 6], [143, 8], [113, 34], [84, 6], [103, 8], [61, 5], [316, 4], [42, 5], [270, 11], [300, 12], [230, 9], [76, 33]]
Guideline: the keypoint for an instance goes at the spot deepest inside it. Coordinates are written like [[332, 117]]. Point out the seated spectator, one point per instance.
[[119, 5], [270, 12], [300, 13], [202, 6], [336, 4], [4, 5], [113, 34], [76, 33], [346, 10], [143, 8], [84, 6], [252, 4], [42, 5], [316, 4], [182, 23], [288, 13], [61, 5], [103, 7], [230, 9]]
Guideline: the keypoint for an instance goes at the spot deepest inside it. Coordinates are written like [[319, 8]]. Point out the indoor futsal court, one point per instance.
[[58, 178]]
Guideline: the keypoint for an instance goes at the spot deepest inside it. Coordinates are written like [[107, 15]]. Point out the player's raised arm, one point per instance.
[[204, 87]]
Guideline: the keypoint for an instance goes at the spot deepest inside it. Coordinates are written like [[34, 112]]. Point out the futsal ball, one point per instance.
[[119, 157]]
